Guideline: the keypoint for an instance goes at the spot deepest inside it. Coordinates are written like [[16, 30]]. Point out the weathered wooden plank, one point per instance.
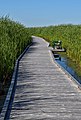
[[43, 90]]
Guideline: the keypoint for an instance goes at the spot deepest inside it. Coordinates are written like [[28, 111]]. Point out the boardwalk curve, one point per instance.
[[43, 90]]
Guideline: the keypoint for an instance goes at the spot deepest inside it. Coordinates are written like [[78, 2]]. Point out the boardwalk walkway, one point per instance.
[[43, 90]]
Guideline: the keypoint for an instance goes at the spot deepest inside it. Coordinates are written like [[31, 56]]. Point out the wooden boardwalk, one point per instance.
[[43, 90]]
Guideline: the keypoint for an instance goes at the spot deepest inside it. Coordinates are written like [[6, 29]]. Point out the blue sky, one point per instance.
[[42, 12]]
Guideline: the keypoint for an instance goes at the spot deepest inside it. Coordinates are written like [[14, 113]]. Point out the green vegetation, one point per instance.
[[14, 38], [70, 35]]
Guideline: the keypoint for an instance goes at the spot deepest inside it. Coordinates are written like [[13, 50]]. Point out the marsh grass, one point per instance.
[[70, 35], [14, 38]]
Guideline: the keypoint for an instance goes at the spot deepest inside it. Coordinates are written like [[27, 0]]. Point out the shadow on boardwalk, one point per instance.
[[43, 91]]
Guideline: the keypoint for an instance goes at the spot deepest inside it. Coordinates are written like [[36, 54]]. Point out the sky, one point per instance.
[[35, 13]]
